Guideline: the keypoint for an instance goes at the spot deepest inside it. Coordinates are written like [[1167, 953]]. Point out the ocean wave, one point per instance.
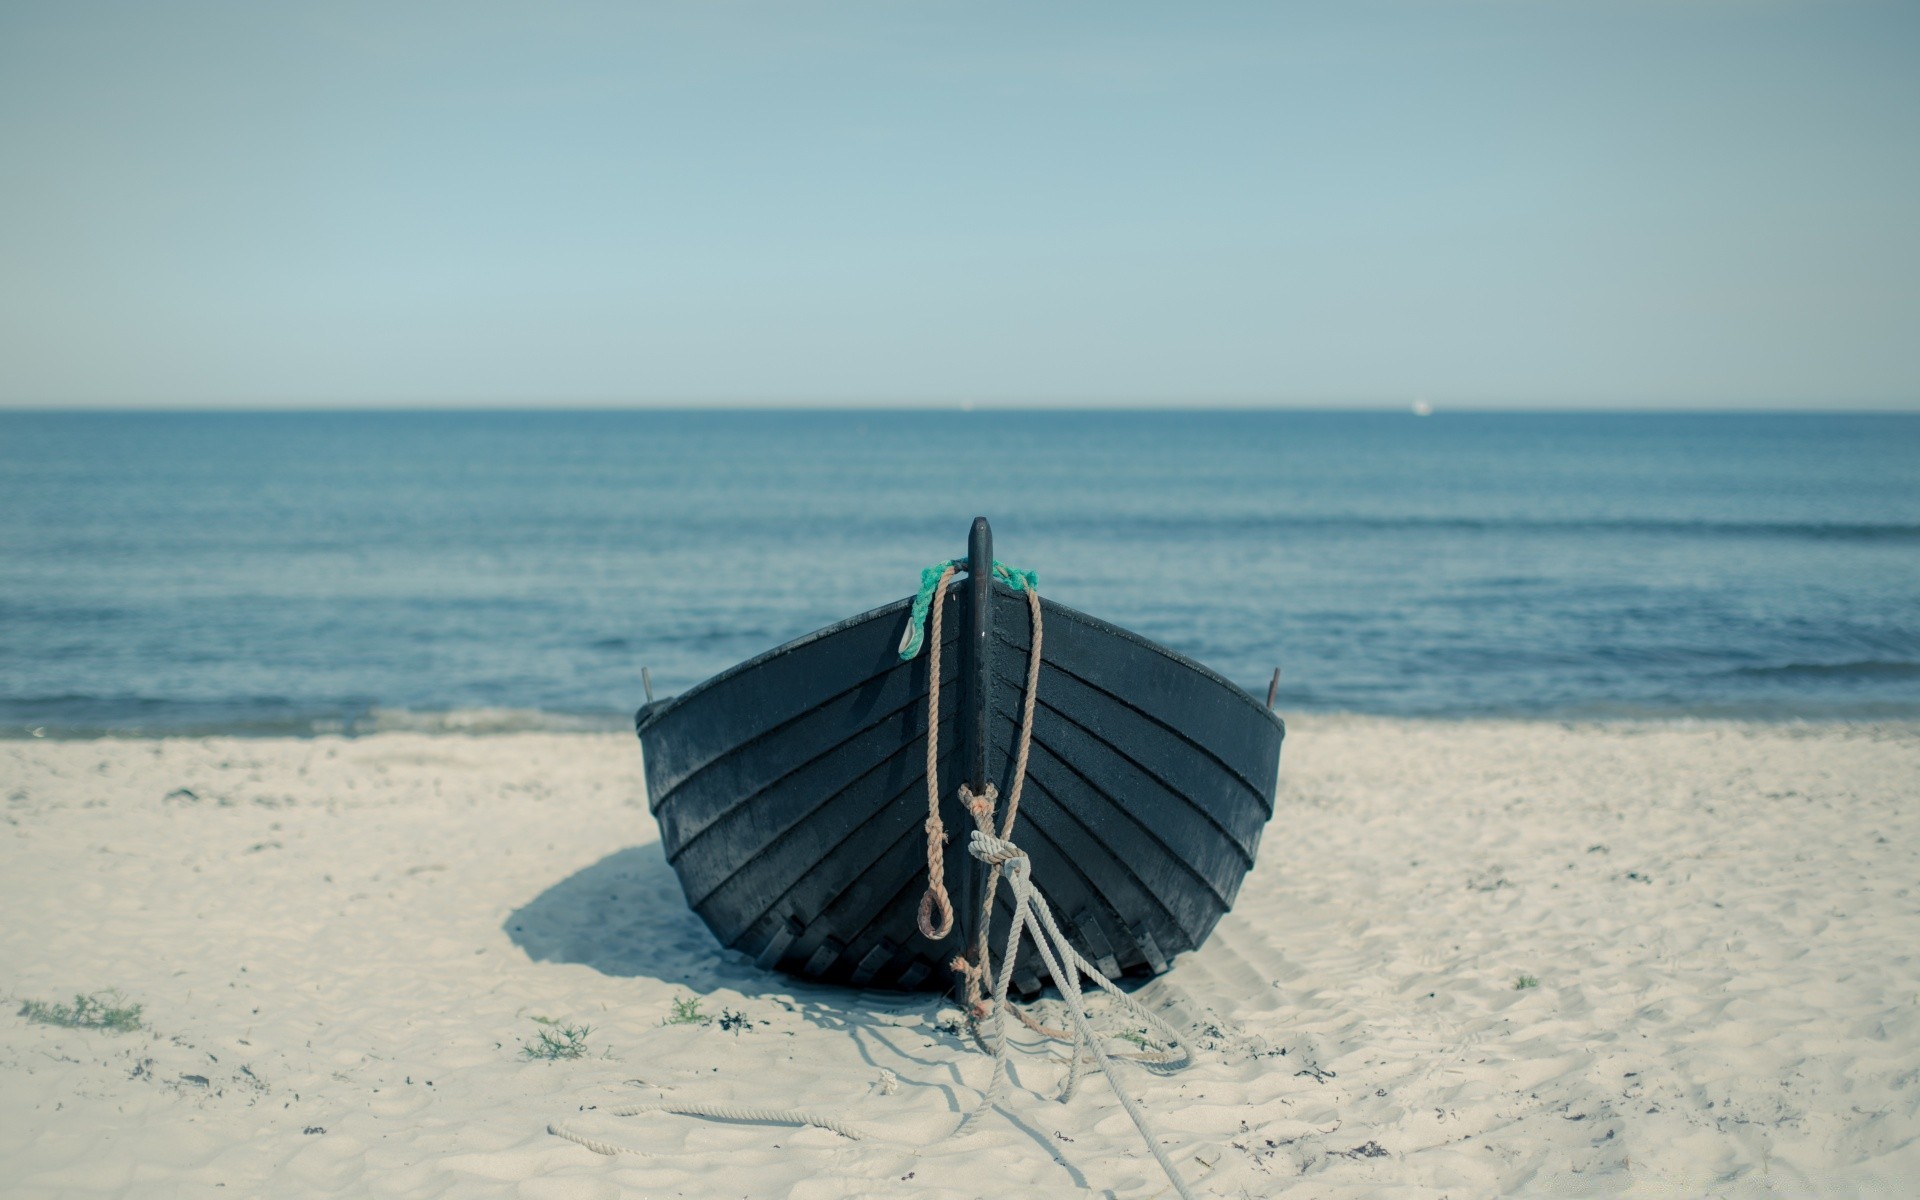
[[70, 717], [1840, 531], [1866, 669], [194, 722], [487, 721]]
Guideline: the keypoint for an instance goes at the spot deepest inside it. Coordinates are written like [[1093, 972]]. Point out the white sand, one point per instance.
[[339, 946]]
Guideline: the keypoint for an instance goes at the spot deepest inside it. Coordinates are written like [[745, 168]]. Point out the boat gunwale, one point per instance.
[[651, 713], [1120, 754], [1232, 773]]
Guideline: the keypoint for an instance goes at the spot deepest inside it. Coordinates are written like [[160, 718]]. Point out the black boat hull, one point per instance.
[[791, 795]]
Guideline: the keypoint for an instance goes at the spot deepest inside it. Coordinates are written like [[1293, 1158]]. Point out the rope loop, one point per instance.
[[935, 897], [936, 894]]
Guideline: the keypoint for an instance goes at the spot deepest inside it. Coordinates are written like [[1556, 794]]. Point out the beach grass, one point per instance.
[[102, 1010], [556, 1040]]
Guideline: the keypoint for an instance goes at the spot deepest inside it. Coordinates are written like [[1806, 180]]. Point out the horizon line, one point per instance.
[[902, 407]]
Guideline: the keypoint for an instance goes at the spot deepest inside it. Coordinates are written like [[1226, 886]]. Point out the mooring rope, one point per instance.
[[1030, 912], [936, 893], [1066, 965], [933, 593], [979, 973], [699, 1108]]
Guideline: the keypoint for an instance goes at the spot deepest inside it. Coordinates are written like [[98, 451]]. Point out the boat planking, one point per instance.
[[790, 790]]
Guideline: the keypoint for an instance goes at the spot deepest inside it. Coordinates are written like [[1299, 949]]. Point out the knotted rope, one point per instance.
[[979, 972], [933, 593]]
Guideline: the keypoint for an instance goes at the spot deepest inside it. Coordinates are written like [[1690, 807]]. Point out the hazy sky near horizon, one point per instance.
[[1690, 203]]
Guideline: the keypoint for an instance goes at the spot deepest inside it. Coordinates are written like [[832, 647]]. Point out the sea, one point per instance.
[[303, 573]]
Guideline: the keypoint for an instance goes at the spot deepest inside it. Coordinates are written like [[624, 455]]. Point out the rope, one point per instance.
[[698, 1108], [978, 971], [936, 893], [1067, 965], [1032, 911], [931, 579], [911, 638]]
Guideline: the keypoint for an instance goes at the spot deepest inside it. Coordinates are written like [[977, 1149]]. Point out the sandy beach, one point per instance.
[[1475, 959]]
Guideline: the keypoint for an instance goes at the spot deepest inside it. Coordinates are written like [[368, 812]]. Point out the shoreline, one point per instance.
[[340, 945], [489, 723]]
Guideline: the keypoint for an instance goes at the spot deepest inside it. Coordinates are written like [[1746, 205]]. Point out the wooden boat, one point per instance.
[[791, 790]]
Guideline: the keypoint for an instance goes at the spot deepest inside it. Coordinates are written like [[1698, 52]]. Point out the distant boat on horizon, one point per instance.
[[1421, 408]]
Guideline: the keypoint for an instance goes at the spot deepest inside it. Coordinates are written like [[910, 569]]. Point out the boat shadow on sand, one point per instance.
[[626, 917]]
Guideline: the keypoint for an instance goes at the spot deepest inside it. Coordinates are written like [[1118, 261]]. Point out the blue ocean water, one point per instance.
[[301, 572]]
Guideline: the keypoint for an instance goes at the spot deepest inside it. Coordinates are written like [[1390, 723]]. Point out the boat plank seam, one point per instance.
[[811, 870], [1111, 802], [1105, 696], [796, 820], [669, 782], [1179, 793], [1084, 885], [1042, 819], [1175, 730], [1098, 626], [912, 708], [878, 813]]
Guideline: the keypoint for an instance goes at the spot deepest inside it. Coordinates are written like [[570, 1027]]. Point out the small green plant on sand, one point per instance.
[[1524, 982], [556, 1040], [686, 1011], [1139, 1038], [102, 1010]]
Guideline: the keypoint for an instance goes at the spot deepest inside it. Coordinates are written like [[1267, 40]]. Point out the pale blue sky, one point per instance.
[[1696, 204]]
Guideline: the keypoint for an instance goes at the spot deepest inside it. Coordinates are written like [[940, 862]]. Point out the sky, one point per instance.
[[1664, 203]]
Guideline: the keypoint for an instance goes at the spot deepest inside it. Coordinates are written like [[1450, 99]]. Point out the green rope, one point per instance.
[[1015, 578], [915, 634]]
